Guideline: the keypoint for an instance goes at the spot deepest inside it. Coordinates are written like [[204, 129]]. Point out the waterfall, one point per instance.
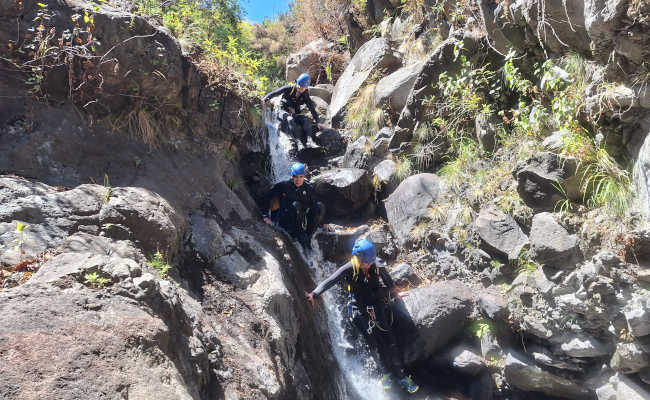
[[361, 376], [361, 379], [279, 146]]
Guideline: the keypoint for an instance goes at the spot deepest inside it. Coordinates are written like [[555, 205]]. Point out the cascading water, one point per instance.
[[360, 380], [279, 146]]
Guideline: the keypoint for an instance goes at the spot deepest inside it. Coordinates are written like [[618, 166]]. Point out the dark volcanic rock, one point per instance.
[[409, 202], [542, 179], [440, 312], [551, 243], [343, 190], [500, 233]]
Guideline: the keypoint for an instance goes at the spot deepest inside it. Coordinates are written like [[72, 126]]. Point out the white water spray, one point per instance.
[[279, 146]]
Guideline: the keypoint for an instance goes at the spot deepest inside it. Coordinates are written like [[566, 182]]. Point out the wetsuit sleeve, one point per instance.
[[332, 280], [276, 92]]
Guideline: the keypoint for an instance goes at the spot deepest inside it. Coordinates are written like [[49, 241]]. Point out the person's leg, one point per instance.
[[305, 127], [389, 350]]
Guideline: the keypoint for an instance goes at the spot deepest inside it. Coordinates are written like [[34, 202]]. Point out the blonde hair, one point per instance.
[[356, 264]]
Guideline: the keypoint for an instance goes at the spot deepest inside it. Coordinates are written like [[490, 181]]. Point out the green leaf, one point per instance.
[[20, 227]]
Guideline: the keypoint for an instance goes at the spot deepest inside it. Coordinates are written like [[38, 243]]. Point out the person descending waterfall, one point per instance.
[[294, 96], [292, 206], [371, 307]]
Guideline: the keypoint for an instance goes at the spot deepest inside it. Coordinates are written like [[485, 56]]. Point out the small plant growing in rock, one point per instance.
[[109, 189], [158, 263], [95, 280], [480, 328], [524, 264], [20, 239]]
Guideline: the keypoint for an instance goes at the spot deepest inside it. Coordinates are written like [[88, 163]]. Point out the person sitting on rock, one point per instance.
[[292, 206], [294, 96], [371, 308]]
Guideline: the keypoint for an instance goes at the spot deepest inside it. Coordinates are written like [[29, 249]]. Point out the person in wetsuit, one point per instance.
[[292, 205], [294, 96], [373, 293]]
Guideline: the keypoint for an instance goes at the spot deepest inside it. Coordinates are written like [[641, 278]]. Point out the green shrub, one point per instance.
[[158, 262]]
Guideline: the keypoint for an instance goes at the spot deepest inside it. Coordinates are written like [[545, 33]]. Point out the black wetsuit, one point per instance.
[[373, 291], [299, 213], [298, 126]]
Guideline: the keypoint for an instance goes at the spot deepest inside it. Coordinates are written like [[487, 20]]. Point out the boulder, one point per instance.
[[337, 246], [308, 59], [408, 204], [544, 357], [51, 215], [525, 375], [555, 141], [331, 141], [154, 223], [641, 171], [383, 240], [395, 88], [629, 358], [374, 55], [381, 143], [441, 60], [403, 275], [357, 154], [620, 387], [440, 312], [637, 315], [486, 130], [500, 233], [582, 346], [322, 90], [608, 26], [493, 306], [383, 173], [465, 360], [321, 106], [343, 190], [551, 243], [542, 179], [376, 10]]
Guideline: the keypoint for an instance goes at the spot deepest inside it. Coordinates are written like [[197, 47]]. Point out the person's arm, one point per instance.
[[266, 200], [331, 280], [276, 92]]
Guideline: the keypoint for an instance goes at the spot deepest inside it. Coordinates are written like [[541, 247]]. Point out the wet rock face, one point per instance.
[[409, 202], [126, 329]]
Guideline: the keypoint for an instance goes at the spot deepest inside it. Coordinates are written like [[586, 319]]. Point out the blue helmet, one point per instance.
[[303, 80], [298, 169], [364, 250]]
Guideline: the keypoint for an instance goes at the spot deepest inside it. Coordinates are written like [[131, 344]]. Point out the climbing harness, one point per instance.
[[386, 382]]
